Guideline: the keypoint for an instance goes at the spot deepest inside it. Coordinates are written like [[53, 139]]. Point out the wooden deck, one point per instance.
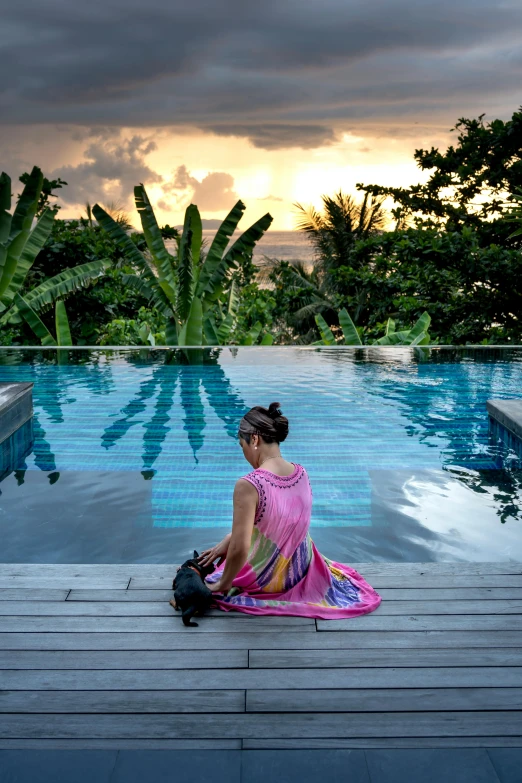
[[92, 656]]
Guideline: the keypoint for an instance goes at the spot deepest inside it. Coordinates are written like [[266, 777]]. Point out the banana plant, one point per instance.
[[19, 246], [186, 287], [20, 243], [351, 335], [63, 331]]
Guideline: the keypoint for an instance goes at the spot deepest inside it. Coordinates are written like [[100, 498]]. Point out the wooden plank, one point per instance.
[[94, 609], [379, 700], [308, 679], [167, 569], [173, 624], [134, 595], [357, 658], [374, 622], [422, 607], [63, 583], [403, 594], [380, 581], [223, 743], [137, 609], [105, 570], [458, 568], [218, 701], [278, 743], [388, 594], [33, 594], [121, 659], [292, 725], [265, 639]]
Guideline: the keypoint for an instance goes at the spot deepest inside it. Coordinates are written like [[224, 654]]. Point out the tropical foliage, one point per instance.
[[467, 182], [352, 335], [186, 287], [20, 244], [453, 253]]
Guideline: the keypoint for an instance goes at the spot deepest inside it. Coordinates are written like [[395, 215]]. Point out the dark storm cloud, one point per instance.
[[281, 72]]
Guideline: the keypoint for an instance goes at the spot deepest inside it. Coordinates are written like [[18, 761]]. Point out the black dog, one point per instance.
[[191, 594]]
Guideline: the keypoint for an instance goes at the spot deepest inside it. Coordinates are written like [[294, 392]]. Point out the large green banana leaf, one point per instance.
[[38, 327], [160, 255], [325, 331], [56, 287], [218, 246], [351, 335], [194, 324], [34, 244], [252, 335], [185, 267], [155, 294], [240, 251], [63, 331], [171, 332], [420, 339], [125, 243], [233, 299], [21, 224], [64, 283], [210, 330], [420, 326], [267, 339], [225, 328], [197, 238]]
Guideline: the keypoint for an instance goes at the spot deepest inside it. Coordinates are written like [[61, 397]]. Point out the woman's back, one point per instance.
[[284, 507]]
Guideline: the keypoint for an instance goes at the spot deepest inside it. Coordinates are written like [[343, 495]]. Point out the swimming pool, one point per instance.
[[136, 454]]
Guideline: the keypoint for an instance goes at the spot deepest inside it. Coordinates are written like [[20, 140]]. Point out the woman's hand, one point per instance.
[[216, 587], [220, 550]]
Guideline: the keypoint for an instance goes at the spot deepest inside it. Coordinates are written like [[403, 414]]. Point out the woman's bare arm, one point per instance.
[[245, 504]]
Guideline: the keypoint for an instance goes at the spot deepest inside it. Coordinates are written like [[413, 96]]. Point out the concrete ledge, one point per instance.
[[508, 413], [16, 407]]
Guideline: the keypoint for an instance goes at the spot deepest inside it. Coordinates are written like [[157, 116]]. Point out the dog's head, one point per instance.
[[203, 571]]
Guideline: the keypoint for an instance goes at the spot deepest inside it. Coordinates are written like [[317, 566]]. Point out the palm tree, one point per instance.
[[334, 231]]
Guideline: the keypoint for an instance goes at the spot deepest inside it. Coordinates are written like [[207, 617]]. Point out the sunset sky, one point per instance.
[[274, 102]]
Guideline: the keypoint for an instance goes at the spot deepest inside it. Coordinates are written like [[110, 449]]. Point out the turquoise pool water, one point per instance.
[[135, 453]]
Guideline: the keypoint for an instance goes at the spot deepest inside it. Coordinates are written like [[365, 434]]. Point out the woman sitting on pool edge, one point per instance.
[[268, 564]]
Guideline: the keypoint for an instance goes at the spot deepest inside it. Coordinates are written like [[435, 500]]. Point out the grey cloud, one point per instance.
[[112, 167], [278, 135], [281, 73]]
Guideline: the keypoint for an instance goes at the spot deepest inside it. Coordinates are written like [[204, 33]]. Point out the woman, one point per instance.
[[268, 563]]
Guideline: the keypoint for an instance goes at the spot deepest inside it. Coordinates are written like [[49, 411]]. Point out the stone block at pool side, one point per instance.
[[16, 407], [508, 413]]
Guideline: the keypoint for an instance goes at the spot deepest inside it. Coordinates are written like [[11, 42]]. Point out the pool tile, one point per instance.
[[507, 763], [423, 765]]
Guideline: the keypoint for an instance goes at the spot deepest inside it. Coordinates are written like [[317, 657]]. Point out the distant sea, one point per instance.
[[281, 245]]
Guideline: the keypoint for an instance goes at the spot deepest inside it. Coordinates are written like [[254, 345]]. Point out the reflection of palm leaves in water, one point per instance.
[[194, 421], [138, 405], [50, 395], [190, 377], [157, 429], [227, 404]]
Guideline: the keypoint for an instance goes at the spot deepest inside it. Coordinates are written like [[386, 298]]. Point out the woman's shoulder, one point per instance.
[[261, 474]]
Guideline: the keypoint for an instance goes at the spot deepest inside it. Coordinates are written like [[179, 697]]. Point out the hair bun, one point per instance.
[[274, 410]]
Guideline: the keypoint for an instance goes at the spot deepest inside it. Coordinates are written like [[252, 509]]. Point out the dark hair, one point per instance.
[[269, 423]]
